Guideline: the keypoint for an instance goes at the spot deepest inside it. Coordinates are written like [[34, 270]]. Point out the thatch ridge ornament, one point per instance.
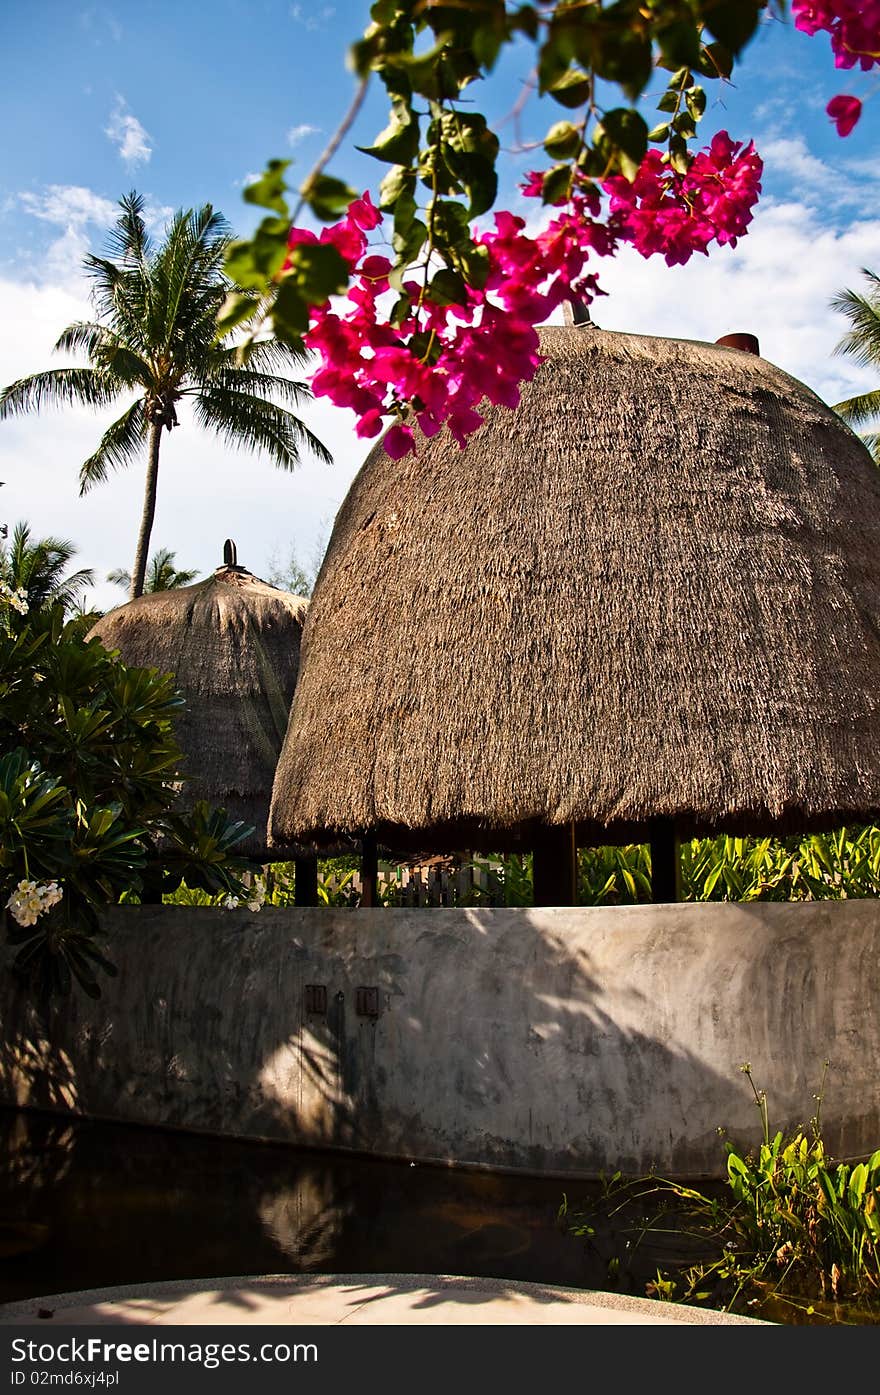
[[232, 641], [652, 592]]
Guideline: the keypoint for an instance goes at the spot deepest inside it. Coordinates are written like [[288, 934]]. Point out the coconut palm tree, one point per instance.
[[155, 340], [38, 568], [161, 574], [862, 342]]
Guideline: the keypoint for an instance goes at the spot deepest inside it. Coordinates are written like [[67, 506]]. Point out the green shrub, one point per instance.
[[88, 783], [791, 1226]]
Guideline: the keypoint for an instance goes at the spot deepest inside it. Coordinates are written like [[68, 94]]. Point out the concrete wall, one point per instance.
[[558, 1040]]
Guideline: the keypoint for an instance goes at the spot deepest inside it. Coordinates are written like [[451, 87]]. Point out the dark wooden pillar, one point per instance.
[[369, 871], [554, 866], [665, 861], [305, 880]]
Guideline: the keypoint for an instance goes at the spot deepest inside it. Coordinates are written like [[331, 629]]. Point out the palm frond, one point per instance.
[[255, 423], [872, 441], [58, 387], [82, 337], [264, 355], [37, 567], [265, 384], [118, 448], [862, 340], [187, 271], [120, 577], [856, 411], [128, 242]]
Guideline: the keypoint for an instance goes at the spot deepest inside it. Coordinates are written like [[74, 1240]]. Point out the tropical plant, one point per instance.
[[37, 568], [155, 340], [790, 1226], [862, 343], [89, 781], [161, 574]]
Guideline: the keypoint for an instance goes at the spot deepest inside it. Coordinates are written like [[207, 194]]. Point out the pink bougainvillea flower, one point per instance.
[[854, 27], [844, 112], [398, 441]]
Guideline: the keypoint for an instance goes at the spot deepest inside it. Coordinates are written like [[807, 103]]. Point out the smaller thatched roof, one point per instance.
[[651, 592], [233, 642]]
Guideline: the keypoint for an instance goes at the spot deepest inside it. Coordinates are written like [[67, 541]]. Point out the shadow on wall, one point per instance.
[[554, 1041]]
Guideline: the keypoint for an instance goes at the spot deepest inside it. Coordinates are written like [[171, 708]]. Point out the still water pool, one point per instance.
[[87, 1204]]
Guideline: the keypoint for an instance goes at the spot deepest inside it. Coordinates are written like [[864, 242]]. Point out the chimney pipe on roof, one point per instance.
[[230, 556], [747, 342]]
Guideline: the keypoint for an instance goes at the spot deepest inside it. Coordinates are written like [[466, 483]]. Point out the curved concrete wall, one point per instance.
[[569, 1041]]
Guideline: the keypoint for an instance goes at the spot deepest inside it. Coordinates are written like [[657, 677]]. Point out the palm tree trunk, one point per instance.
[[139, 570]]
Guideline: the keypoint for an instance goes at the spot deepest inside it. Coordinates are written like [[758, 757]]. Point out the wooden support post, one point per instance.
[[369, 871], [305, 880], [554, 866], [665, 861]]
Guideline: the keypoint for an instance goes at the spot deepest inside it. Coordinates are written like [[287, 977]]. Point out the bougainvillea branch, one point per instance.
[[440, 314]]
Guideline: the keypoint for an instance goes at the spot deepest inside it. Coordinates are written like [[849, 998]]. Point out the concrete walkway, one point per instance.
[[356, 1300]]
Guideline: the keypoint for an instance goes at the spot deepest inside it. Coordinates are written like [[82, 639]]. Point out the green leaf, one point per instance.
[[398, 144], [253, 263], [448, 288], [627, 134], [268, 191], [696, 102], [290, 313], [556, 184], [733, 22], [396, 184], [659, 133], [680, 44], [669, 101], [679, 158], [238, 307], [319, 271], [562, 141], [571, 90], [716, 61], [408, 244], [328, 198]]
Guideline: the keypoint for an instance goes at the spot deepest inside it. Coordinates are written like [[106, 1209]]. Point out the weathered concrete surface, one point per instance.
[[565, 1040], [358, 1300]]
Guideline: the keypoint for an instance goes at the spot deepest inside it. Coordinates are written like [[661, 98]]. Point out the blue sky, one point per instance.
[[184, 102]]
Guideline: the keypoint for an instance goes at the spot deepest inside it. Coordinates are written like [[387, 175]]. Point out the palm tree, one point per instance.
[[155, 338], [862, 342], [38, 568], [161, 574]]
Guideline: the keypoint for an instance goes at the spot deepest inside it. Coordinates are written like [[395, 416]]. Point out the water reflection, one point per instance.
[[87, 1205], [123, 1204]]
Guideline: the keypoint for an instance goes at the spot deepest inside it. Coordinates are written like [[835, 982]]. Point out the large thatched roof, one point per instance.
[[651, 591], [233, 643]]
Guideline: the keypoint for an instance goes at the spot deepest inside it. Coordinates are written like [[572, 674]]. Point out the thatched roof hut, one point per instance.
[[651, 592], [233, 643]]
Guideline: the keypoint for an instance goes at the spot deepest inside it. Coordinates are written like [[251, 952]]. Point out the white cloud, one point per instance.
[[312, 17], [75, 210], [128, 134], [297, 134], [776, 284], [207, 492], [69, 205]]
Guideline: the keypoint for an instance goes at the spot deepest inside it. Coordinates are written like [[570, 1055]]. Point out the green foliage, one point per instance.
[[862, 343], [38, 567], [792, 1227], [161, 574], [438, 154], [88, 783]]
